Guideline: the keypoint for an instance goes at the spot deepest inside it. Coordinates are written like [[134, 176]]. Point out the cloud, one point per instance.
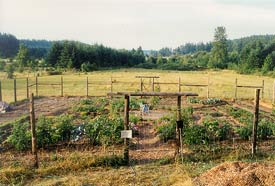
[[130, 23]]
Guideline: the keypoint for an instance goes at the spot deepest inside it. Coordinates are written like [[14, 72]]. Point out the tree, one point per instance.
[[219, 52], [8, 45], [9, 70], [65, 60], [22, 56], [268, 64]]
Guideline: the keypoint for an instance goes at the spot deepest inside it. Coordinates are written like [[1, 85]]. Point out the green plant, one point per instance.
[[10, 70], [244, 132], [103, 130], [134, 119], [166, 128], [20, 136], [154, 101], [62, 128], [44, 131], [195, 135], [264, 129]]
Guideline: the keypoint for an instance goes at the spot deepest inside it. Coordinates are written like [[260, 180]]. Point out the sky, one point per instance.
[[128, 24]]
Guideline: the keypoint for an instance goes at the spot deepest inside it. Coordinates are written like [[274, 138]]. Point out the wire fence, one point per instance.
[[13, 90]]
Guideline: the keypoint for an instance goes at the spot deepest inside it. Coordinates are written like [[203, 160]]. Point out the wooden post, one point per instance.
[[141, 85], [27, 87], [179, 85], [255, 121], [32, 122], [207, 91], [126, 127], [14, 90], [178, 133], [111, 88], [0, 91], [236, 84], [87, 86], [61, 86], [36, 86], [263, 89], [273, 92], [153, 85]]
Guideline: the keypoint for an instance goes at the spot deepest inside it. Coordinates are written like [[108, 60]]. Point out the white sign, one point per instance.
[[126, 134]]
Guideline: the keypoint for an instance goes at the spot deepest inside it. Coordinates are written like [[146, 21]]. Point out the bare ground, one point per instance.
[[43, 106]]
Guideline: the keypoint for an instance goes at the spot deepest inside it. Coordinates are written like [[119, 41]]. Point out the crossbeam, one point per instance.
[[147, 76], [152, 94]]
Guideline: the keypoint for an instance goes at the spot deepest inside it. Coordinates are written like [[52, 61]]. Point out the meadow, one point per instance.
[[221, 83]]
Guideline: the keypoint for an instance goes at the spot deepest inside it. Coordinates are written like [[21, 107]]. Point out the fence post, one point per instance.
[[126, 127], [32, 122], [207, 91], [141, 85], [111, 88], [14, 90], [87, 86], [61, 86], [27, 87], [263, 89], [236, 87], [36, 86], [153, 85], [255, 121], [179, 85], [273, 92], [0, 91], [178, 128]]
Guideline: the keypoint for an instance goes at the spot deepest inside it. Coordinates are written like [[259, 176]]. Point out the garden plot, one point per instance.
[[43, 106], [85, 133]]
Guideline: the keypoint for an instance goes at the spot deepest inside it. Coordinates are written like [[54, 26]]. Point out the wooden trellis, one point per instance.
[[179, 126]]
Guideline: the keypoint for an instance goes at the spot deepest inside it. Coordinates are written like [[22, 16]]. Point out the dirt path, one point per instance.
[[43, 106]]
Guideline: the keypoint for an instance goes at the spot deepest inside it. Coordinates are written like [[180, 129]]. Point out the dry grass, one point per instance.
[[222, 83], [76, 168]]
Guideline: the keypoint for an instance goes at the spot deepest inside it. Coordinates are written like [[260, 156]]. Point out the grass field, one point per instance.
[[221, 83]]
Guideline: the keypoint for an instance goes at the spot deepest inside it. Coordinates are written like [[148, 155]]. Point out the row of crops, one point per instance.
[[215, 127], [97, 122]]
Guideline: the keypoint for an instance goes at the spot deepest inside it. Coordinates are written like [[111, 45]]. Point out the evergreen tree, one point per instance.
[[219, 53], [268, 64], [22, 56]]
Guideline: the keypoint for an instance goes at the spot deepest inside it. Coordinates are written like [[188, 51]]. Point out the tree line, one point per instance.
[[245, 55]]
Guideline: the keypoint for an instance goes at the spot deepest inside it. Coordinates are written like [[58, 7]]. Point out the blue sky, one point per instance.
[[152, 24]]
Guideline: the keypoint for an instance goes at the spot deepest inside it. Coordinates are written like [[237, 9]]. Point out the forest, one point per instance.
[[253, 54]]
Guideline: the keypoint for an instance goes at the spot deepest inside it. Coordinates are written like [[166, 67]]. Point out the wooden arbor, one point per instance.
[[127, 96]]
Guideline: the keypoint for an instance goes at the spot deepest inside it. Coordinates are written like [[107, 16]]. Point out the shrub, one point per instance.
[[167, 131], [92, 129], [195, 135], [44, 131], [264, 129], [224, 131], [104, 131], [53, 73], [88, 67], [20, 136], [62, 128], [134, 119], [244, 132], [166, 128]]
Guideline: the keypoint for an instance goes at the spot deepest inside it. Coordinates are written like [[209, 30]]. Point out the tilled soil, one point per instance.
[[43, 106], [238, 174]]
